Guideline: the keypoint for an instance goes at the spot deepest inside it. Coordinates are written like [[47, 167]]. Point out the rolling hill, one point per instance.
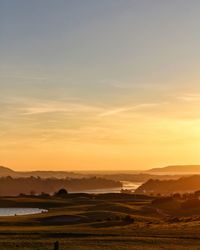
[[4, 171], [167, 187], [177, 169]]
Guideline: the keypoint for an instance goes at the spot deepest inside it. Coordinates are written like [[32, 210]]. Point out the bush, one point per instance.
[[44, 195], [162, 200], [129, 219], [61, 193], [191, 204]]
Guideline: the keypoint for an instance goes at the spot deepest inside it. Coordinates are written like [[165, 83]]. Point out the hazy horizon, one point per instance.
[[133, 170], [99, 85]]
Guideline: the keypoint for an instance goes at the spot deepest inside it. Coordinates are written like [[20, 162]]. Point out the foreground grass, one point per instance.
[[95, 224], [101, 243]]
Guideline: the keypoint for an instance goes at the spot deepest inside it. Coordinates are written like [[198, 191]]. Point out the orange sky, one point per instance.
[[137, 138], [99, 85]]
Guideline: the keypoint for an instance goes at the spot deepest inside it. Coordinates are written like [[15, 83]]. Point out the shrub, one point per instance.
[[61, 193], [128, 219]]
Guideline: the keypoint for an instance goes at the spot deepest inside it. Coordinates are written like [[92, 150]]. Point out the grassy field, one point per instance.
[[88, 223]]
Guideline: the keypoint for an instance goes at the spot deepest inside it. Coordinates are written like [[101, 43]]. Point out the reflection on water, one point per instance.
[[20, 211], [128, 185]]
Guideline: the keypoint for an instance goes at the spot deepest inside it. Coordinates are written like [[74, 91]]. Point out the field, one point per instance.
[[84, 222]]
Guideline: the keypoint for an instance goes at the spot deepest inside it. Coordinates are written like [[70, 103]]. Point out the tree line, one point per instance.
[[36, 185]]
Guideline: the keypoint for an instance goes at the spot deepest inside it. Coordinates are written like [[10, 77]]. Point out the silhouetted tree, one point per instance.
[[61, 193], [44, 195], [14, 186], [128, 219], [32, 193], [176, 196], [197, 194]]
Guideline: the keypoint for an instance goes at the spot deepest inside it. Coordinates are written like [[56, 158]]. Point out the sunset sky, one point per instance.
[[99, 85]]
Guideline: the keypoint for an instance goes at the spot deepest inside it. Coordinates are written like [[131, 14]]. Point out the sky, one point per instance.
[[99, 85]]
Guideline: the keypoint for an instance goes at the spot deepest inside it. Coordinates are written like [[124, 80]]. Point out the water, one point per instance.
[[20, 211], [128, 185], [132, 186]]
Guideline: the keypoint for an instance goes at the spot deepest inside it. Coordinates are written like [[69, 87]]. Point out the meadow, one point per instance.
[[87, 222]]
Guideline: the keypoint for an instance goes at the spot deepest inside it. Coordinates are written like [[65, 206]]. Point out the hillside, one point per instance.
[[166, 187], [134, 177], [176, 169], [100, 222], [4, 171], [15, 186]]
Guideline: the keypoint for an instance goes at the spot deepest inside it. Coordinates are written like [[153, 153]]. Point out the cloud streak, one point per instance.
[[32, 107], [189, 97], [53, 107], [126, 109]]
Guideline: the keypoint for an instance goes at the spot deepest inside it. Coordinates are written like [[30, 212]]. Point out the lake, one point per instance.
[[20, 211], [128, 185]]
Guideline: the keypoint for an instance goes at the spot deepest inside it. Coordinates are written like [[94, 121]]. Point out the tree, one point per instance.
[[32, 193], [129, 219], [176, 196], [197, 194], [61, 193], [44, 195]]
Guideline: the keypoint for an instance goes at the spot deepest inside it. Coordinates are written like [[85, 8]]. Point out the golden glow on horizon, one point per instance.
[[129, 139]]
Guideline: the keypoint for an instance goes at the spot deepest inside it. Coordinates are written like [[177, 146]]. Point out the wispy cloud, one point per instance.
[[136, 85], [76, 107], [30, 106], [58, 108], [126, 109], [53, 106], [189, 97]]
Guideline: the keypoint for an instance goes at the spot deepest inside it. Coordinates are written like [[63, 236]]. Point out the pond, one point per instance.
[[20, 211]]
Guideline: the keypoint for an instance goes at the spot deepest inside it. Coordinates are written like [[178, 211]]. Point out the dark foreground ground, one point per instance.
[[99, 243], [89, 223]]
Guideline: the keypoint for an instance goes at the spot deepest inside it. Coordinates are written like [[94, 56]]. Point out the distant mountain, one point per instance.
[[6, 171], [177, 169], [166, 187]]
